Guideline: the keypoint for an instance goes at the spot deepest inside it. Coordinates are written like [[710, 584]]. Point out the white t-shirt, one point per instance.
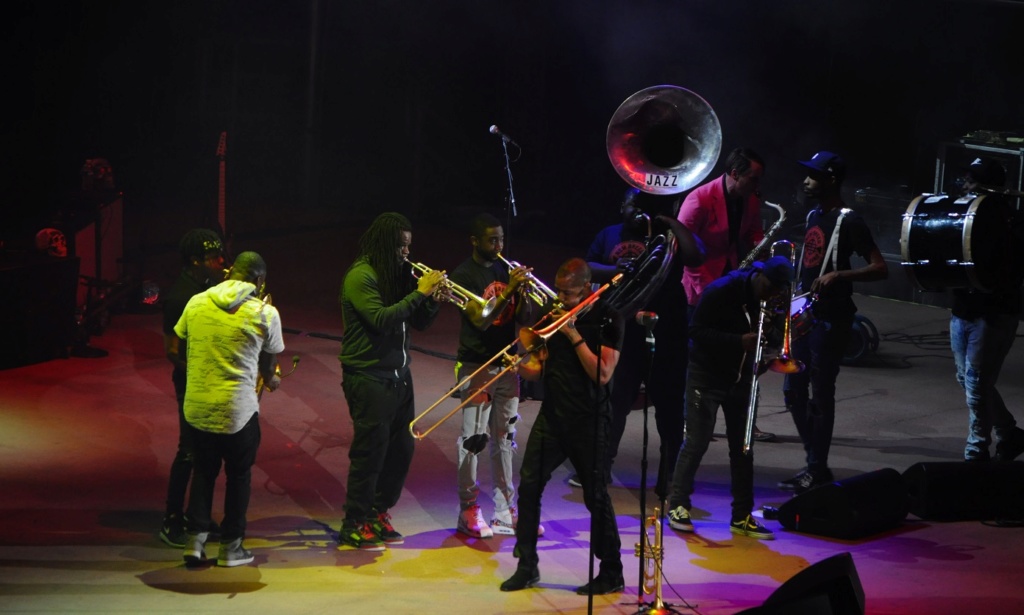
[[227, 328]]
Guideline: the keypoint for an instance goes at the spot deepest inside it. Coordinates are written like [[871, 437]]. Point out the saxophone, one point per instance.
[[769, 236]]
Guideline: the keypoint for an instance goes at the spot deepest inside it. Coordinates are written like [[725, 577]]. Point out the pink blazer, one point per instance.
[[703, 212]]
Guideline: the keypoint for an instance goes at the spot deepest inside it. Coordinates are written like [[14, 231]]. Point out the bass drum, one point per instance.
[[948, 242]]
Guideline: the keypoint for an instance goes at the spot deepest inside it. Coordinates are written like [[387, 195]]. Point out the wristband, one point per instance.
[[576, 345]]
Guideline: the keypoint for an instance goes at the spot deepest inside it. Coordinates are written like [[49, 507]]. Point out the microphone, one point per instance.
[[648, 320], [494, 130]]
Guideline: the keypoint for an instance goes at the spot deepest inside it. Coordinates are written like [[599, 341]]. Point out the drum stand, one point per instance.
[[650, 555]]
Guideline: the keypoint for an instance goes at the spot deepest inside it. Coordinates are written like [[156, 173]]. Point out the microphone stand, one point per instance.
[[510, 211], [657, 607]]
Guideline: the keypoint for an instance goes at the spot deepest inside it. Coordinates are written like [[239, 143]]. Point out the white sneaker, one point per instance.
[[505, 523], [471, 523]]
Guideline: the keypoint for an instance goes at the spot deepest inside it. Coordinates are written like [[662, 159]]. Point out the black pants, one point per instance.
[[382, 446], [548, 446], [666, 389], [181, 467], [237, 451]]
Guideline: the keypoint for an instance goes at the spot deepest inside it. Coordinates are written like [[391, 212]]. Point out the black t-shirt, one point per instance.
[[486, 281], [569, 392], [854, 236], [183, 289]]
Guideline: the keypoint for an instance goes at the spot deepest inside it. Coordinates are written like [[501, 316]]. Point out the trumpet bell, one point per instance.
[[785, 365], [664, 139]]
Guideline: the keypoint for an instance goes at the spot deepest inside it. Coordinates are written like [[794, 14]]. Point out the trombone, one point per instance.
[[782, 363], [532, 340], [536, 291], [453, 293]]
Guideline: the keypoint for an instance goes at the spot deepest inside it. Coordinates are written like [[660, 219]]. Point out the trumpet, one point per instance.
[[652, 556], [536, 291], [782, 363], [448, 291], [532, 340]]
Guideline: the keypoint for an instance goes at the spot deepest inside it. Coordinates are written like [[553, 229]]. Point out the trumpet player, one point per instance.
[[489, 421], [380, 300], [576, 365], [724, 338]]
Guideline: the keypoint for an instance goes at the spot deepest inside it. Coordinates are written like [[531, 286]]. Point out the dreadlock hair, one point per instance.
[[378, 247], [196, 243]]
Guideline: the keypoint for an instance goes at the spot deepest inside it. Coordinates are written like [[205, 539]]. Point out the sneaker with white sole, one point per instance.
[[471, 523], [504, 523], [234, 554], [385, 531], [194, 552], [679, 519]]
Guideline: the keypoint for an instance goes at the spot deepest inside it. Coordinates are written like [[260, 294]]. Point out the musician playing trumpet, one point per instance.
[[380, 300], [489, 421], [576, 365]]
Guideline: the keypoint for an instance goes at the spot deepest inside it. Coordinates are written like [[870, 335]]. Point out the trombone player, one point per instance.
[[720, 374], [489, 420], [576, 365]]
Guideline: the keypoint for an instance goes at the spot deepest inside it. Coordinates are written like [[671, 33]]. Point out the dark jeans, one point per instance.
[[548, 446], [665, 391], [811, 394], [382, 446], [181, 467], [238, 453], [702, 405]]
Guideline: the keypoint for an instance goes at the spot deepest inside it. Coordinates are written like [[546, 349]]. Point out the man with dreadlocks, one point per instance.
[[380, 299], [202, 266]]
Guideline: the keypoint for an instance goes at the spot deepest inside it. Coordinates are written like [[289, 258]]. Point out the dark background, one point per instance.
[[338, 110]]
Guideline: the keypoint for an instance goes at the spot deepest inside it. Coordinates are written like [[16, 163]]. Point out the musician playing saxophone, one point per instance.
[[725, 215], [576, 365]]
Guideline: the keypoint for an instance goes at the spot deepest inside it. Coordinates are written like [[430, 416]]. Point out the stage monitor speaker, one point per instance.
[[852, 508], [962, 491], [830, 587]]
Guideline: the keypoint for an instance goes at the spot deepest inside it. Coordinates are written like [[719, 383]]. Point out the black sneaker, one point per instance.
[[1011, 447], [811, 480], [574, 481], [791, 483], [602, 584], [385, 531], [679, 519], [750, 527], [763, 436], [361, 537], [173, 531], [522, 579]]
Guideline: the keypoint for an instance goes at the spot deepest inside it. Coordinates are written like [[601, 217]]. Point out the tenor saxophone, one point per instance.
[[769, 236]]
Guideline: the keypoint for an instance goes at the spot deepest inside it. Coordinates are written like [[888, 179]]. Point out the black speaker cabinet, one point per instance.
[[849, 509], [830, 587], [961, 491]]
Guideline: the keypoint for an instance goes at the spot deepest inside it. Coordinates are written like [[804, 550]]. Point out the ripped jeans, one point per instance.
[[488, 423], [979, 348]]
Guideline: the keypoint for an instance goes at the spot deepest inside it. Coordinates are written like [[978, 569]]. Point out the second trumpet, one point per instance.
[[537, 291], [450, 292]]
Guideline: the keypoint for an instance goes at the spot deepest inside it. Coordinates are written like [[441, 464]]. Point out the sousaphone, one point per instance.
[[662, 140]]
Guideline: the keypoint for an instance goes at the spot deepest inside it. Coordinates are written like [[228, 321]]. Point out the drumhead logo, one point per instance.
[[814, 247]]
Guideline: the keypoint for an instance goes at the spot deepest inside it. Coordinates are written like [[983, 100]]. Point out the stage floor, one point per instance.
[[86, 444]]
